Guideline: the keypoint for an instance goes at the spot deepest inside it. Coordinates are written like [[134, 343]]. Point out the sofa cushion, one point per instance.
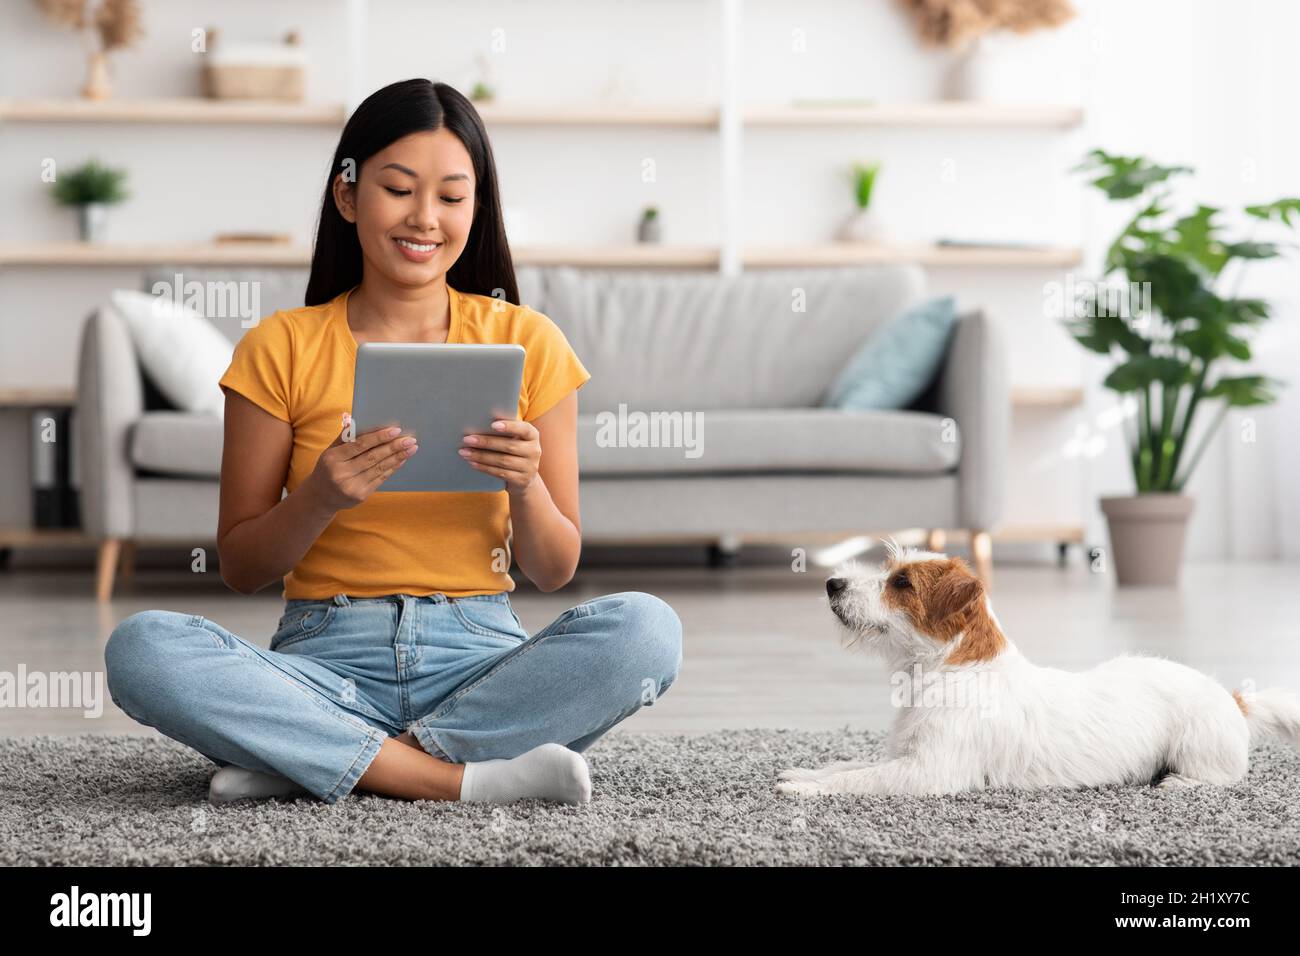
[[896, 364], [767, 440], [758, 340], [177, 443], [179, 350]]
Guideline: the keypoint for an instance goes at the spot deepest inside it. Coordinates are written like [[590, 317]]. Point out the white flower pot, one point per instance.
[[91, 218], [862, 225]]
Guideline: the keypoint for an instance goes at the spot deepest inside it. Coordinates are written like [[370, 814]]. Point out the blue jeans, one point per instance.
[[461, 674]]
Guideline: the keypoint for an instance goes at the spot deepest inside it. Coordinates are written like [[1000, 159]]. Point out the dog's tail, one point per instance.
[[1275, 712]]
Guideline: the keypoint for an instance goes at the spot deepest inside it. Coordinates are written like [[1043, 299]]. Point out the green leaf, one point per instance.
[[1252, 250], [1193, 236], [91, 182], [1142, 370], [1282, 210], [1105, 332], [1246, 390], [1246, 311], [1123, 177]]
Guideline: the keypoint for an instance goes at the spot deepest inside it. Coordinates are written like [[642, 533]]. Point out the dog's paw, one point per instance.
[[801, 788]]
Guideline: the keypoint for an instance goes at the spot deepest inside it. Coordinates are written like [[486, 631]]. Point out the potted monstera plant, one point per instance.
[[1174, 353]]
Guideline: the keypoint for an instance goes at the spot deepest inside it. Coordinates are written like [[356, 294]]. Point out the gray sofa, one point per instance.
[[767, 463]]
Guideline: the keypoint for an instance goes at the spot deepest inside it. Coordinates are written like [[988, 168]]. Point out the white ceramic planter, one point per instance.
[[91, 217], [861, 225]]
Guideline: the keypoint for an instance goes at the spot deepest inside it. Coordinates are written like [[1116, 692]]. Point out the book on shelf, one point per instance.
[[952, 243], [54, 500]]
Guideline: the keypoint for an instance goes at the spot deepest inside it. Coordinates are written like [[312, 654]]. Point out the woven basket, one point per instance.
[[250, 82], [255, 71]]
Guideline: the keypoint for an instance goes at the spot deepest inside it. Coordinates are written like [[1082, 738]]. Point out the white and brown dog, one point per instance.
[[975, 713]]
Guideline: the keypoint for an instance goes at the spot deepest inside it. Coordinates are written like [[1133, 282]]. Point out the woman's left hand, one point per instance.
[[513, 452]]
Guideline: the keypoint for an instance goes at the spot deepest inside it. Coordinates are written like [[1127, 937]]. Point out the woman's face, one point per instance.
[[413, 204]]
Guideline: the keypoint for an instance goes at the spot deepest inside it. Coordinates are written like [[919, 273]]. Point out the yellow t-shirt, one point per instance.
[[299, 364]]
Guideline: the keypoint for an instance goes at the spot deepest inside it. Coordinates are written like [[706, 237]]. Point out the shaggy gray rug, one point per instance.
[[658, 800]]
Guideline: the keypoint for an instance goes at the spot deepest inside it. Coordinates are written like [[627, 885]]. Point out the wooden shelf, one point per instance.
[[1027, 533], [45, 538], [198, 110], [1030, 533], [113, 254], [632, 255], [941, 113], [36, 397], [596, 114], [1036, 397], [856, 253], [191, 110]]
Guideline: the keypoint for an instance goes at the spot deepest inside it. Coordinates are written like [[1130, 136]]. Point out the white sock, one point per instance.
[[549, 772], [236, 783]]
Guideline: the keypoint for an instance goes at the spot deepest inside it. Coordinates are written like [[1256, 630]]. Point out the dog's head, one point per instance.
[[917, 604]]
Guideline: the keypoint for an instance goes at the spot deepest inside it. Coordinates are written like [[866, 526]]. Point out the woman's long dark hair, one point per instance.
[[385, 116]]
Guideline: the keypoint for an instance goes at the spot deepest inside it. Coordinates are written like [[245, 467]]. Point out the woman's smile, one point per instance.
[[417, 251]]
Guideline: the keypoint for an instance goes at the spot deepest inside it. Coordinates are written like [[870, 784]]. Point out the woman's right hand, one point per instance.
[[348, 472]]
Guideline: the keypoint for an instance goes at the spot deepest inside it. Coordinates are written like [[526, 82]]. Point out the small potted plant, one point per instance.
[[483, 91], [90, 189], [1173, 354], [861, 225], [647, 229]]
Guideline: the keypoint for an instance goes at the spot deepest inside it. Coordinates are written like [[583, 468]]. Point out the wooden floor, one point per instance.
[[760, 647]]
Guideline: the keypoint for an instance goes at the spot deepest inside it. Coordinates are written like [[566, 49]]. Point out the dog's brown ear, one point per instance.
[[953, 593]]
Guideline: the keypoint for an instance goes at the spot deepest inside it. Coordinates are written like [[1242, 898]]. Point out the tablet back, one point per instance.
[[440, 393]]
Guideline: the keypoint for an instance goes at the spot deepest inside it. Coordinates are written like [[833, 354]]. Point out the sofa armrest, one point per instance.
[[973, 390], [110, 400]]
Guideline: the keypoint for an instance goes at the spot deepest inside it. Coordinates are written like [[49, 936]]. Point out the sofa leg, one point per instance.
[[126, 566], [110, 552], [936, 540], [981, 549]]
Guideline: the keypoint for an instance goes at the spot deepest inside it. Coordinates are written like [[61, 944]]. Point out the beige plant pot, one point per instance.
[[1146, 537]]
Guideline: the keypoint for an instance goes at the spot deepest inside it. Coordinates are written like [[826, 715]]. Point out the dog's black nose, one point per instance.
[[835, 585]]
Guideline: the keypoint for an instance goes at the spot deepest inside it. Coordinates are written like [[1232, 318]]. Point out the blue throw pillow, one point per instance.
[[894, 366]]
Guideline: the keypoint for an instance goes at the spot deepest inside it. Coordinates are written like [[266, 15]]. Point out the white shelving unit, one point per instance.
[[726, 119]]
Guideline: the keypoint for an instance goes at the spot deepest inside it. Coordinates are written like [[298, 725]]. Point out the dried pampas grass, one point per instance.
[[951, 23], [118, 22]]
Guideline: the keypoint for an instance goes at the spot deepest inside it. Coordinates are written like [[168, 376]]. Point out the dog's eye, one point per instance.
[[901, 581]]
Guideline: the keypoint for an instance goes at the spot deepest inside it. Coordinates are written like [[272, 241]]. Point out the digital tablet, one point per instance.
[[439, 393]]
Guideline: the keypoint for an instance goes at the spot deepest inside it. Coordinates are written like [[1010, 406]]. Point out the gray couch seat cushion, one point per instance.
[[709, 442], [759, 440], [177, 443]]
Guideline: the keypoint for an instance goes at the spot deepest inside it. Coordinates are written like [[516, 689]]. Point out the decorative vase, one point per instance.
[[1146, 536], [91, 217], [861, 225], [969, 76], [99, 84], [648, 230]]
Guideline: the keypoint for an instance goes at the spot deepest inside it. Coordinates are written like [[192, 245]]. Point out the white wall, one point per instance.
[[1203, 83], [1212, 85]]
